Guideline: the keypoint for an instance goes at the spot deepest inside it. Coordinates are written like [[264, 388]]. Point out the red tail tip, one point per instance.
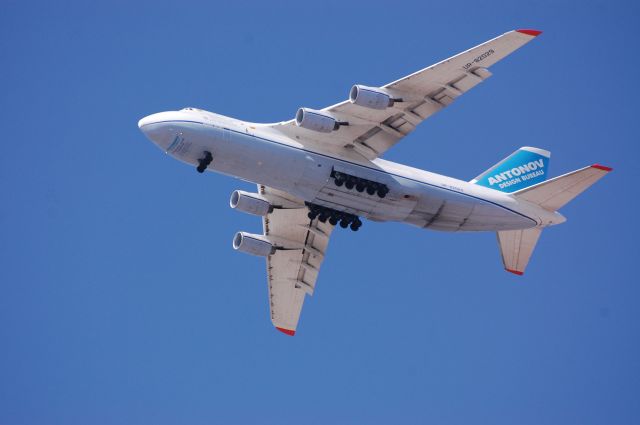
[[602, 167], [515, 272], [286, 331], [533, 33]]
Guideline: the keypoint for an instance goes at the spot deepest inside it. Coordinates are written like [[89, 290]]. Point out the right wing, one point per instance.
[[292, 272], [372, 131]]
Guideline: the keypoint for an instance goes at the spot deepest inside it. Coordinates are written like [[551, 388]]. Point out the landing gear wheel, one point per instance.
[[203, 163], [333, 220], [371, 189], [360, 186], [344, 223], [350, 183]]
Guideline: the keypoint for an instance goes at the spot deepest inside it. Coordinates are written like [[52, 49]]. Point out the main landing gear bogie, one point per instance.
[[361, 185], [204, 162], [324, 214]]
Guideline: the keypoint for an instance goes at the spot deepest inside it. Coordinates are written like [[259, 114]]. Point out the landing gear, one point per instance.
[[324, 214], [360, 184], [204, 162]]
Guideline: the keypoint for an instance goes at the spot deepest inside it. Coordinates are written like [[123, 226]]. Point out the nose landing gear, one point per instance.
[[204, 162]]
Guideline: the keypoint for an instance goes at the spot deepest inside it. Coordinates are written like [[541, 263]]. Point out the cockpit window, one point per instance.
[[191, 109]]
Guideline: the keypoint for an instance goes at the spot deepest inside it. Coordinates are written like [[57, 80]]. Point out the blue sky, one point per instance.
[[122, 301]]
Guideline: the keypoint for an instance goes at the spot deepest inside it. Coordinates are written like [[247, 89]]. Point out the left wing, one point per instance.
[[292, 271], [371, 128]]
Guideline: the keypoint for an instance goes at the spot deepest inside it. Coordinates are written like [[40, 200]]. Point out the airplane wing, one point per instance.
[[371, 131], [292, 273]]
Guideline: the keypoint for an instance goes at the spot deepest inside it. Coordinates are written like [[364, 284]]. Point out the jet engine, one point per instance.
[[370, 97], [316, 120], [250, 203], [253, 244]]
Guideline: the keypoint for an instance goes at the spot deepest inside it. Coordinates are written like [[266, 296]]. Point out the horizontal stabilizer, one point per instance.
[[557, 192], [516, 247]]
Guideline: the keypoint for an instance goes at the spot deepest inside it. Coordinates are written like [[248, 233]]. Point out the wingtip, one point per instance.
[[602, 167], [286, 331], [515, 272], [533, 33]]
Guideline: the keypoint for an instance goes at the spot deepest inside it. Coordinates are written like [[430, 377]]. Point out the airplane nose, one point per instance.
[[151, 126], [149, 119], [160, 127]]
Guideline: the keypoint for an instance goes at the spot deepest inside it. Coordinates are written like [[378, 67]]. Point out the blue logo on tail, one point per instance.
[[524, 168]]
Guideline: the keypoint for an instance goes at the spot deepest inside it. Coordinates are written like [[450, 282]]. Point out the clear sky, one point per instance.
[[122, 301]]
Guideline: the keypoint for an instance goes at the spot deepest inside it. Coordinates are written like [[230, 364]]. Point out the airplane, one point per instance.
[[323, 168]]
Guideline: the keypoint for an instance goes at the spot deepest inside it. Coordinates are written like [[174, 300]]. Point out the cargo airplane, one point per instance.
[[324, 169]]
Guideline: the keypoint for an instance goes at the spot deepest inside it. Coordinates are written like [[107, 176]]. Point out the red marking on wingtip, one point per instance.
[[602, 167], [286, 331], [515, 272], [533, 33]]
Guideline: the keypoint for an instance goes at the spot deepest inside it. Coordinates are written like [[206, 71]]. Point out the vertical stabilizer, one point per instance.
[[516, 247], [523, 168]]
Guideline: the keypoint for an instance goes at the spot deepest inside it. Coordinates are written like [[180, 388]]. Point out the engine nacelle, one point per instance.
[[316, 120], [250, 203], [250, 243], [370, 97]]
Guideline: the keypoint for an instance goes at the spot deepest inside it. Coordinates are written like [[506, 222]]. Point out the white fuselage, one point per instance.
[[259, 154]]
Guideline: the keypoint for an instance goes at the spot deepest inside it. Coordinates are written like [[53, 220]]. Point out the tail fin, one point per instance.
[[557, 192], [516, 246], [523, 168]]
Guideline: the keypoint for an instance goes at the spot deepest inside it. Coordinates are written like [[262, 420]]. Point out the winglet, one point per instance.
[[286, 331], [533, 33], [515, 272], [602, 167]]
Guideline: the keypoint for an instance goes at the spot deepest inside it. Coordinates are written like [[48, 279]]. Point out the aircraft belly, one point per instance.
[[317, 186], [453, 212], [369, 206], [307, 175], [250, 158]]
